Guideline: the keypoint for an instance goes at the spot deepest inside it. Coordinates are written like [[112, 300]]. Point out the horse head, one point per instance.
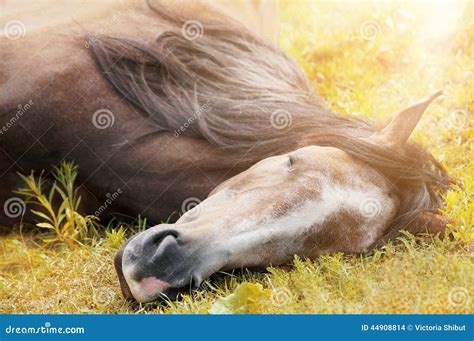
[[311, 201]]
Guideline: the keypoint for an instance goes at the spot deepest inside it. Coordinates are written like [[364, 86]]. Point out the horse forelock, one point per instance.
[[242, 94]]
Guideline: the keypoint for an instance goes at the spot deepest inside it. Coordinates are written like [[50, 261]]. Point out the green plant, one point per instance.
[[58, 211], [114, 238]]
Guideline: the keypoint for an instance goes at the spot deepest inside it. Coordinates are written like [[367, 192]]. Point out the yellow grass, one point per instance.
[[366, 59]]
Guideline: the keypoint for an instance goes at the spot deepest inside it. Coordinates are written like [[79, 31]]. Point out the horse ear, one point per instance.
[[397, 132]]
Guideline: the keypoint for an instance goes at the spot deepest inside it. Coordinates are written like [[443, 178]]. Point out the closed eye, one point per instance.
[[290, 163]]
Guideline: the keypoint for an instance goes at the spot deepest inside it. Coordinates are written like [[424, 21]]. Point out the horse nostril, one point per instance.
[[157, 238]]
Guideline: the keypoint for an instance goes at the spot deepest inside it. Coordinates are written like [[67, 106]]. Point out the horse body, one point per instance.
[[52, 68], [164, 115]]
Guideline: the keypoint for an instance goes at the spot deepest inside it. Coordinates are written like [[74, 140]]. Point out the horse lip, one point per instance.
[[149, 289], [126, 292]]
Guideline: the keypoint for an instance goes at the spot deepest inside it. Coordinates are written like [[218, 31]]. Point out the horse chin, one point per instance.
[[126, 292]]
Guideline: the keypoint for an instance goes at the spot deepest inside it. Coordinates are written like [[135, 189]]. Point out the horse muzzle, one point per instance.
[[159, 263]]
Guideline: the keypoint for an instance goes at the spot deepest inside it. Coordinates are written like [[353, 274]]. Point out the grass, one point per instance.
[[358, 71]]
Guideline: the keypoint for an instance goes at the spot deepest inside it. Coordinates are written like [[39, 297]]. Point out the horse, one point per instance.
[[183, 104], [51, 88]]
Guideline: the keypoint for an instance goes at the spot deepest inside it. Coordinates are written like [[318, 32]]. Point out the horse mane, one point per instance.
[[245, 95]]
